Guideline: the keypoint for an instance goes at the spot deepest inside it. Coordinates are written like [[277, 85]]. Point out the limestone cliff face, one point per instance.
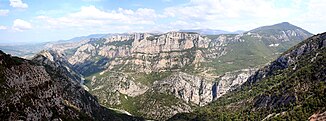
[[200, 90], [231, 80], [84, 52], [112, 85], [144, 52], [172, 41], [189, 88]]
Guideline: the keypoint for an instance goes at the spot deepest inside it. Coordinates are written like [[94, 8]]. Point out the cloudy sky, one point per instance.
[[49, 20]]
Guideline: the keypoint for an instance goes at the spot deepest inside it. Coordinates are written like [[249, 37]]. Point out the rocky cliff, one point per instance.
[[42, 89]]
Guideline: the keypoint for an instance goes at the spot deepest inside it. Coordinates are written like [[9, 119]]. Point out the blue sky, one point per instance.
[[31, 21]]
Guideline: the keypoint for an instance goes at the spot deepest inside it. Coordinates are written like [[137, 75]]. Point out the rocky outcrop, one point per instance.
[[84, 52], [189, 88], [56, 59], [230, 81], [318, 117], [160, 102], [201, 90], [34, 90], [121, 83], [111, 85], [172, 41]]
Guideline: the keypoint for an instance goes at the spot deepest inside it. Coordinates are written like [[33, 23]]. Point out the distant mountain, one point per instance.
[[23, 50], [29, 50], [42, 89], [77, 39], [293, 87], [279, 28], [238, 32], [211, 31], [206, 31]]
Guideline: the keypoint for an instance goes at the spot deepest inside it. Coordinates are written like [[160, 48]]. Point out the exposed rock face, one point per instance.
[[200, 90], [130, 88], [318, 117], [56, 59], [190, 88], [161, 102], [34, 90], [116, 83], [231, 80], [172, 41]]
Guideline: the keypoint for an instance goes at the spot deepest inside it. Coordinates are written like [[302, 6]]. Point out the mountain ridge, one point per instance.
[[211, 31]]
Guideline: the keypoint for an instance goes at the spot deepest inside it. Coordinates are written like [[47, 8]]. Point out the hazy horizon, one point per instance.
[[25, 21]]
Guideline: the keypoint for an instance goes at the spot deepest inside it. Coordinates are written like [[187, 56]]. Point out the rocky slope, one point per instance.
[[42, 89], [292, 87]]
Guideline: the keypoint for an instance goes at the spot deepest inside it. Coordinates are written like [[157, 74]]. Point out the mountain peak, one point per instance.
[[280, 28], [285, 25]]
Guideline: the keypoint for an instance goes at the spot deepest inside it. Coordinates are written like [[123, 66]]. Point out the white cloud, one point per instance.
[[314, 16], [18, 4], [3, 12], [227, 13], [90, 17], [21, 25], [3, 27]]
